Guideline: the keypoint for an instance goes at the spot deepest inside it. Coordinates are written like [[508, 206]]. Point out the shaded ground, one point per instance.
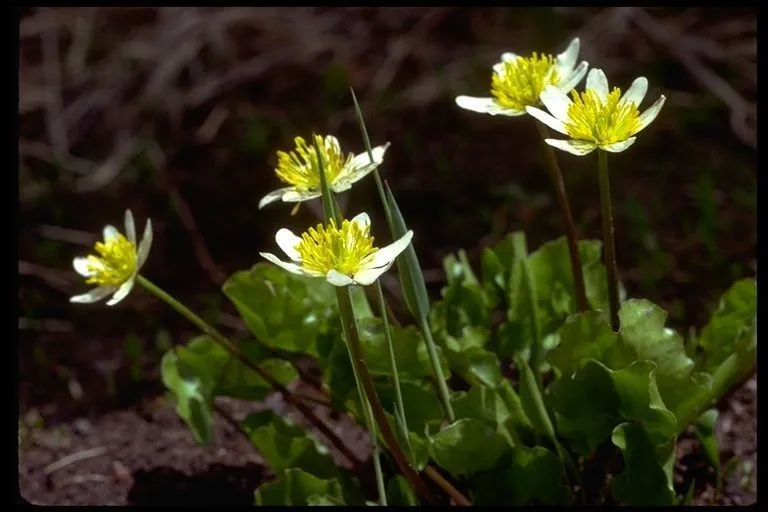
[[685, 197]]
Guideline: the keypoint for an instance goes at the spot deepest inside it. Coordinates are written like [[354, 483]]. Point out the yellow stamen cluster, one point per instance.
[[116, 263], [300, 168], [522, 80], [341, 249], [591, 119]]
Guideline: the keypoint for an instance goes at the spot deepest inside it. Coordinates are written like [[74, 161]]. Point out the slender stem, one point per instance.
[[442, 385], [444, 484], [393, 366], [570, 228], [370, 424], [423, 322], [358, 362], [232, 349], [609, 242]]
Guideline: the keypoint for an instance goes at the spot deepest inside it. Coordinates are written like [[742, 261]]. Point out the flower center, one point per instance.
[[521, 81], [300, 169], [115, 264], [341, 249], [591, 119]]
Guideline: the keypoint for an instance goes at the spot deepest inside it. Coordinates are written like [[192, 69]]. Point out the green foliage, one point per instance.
[[297, 487], [410, 351], [530, 475], [647, 477], [285, 445], [282, 310], [467, 446], [198, 372]]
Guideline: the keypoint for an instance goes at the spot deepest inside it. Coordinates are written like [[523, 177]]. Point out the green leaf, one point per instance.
[[400, 493], [645, 480], [551, 269], [704, 429], [532, 475], [230, 377], [192, 391], [533, 402], [419, 401], [282, 310], [411, 277], [642, 328], [297, 487], [593, 400], [410, 350], [285, 445], [499, 408], [731, 329], [583, 336], [467, 446], [324, 501]]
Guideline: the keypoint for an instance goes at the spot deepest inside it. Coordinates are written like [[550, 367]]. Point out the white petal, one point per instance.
[[110, 233], [94, 295], [556, 101], [386, 255], [575, 147], [81, 266], [287, 241], [509, 57], [362, 220], [358, 168], [338, 279], [486, 106], [145, 245], [369, 275], [618, 147], [297, 196], [567, 59], [499, 69], [636, 91], [130, 227], [597, 81], [122, 292], [649, 115], [290, 267], [547, 119], [332, 144], [273, 196], [364, 160], [573, 79]]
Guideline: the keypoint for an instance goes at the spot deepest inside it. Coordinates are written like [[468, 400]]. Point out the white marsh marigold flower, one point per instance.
[[343, 255], [597, 118], [299, 169], [117, 264], [517, 82]]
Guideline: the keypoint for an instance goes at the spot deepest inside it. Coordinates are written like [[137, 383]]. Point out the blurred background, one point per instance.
[[177, 113]]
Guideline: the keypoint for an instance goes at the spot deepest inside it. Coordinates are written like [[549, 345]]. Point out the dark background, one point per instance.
[[176, 113]]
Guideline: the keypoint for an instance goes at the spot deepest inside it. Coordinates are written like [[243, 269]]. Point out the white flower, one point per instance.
[[343, 255], [597, 118], [517, 82], [118, 263], [299, 169]]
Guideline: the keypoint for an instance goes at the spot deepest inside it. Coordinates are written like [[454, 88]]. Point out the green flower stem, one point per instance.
[[423, 322], [403, 422], [609, 243], [358, 363], [442, 385], [233, 350], [332, 211], [570, 228], [370, 424]]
